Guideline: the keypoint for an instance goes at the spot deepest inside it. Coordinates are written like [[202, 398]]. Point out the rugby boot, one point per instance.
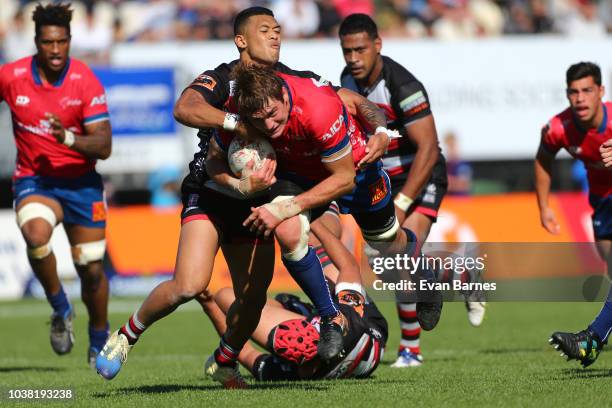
[[228, 376], [61, 335], [583, 346], [406, 358], [113, 355], [332, 331]]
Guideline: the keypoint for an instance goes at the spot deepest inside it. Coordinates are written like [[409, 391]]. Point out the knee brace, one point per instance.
[[36, 210], [377, 237], [301, 249], [39, 252], [83, 254]]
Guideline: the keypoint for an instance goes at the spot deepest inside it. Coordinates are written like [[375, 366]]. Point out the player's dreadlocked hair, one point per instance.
[[253, 87], [244, 15], [358, 23], [52, 15], [583, 70]]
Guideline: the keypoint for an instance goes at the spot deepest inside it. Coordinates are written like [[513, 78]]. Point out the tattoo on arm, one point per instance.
[[371, 114]]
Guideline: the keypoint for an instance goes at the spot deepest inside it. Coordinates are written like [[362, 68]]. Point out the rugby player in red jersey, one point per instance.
[[61, 126], [582, 129], [319, 145]]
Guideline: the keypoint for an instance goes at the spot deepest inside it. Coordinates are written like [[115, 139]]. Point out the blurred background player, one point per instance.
[[581, 129], [289, 328], [414, 163], [61, 127]]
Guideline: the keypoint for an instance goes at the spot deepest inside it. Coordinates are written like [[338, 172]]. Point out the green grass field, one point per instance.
[[506, 362]]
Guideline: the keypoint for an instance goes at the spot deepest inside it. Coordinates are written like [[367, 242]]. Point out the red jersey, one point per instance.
[[319, 130], [562, 132], [77, 98]]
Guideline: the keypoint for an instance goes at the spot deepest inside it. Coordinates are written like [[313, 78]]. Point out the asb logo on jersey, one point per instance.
[[334, 128], [98, 100], [22, 100]]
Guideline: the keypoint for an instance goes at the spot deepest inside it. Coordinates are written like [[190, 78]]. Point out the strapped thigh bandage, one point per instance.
[[35, 210], [87, 252]]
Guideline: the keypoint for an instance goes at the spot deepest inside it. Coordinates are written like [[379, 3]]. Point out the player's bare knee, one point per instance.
[[186, 290], [35, 234], [224, 298], [288, 233]]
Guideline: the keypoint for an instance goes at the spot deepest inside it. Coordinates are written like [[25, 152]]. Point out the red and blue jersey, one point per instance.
[[77, 98], [563, 131], [319, 130]]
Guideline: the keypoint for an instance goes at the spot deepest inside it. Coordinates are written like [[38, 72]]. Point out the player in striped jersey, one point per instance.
[[414, 162]]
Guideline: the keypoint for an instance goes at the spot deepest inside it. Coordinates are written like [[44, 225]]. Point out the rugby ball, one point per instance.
[[241, 152]]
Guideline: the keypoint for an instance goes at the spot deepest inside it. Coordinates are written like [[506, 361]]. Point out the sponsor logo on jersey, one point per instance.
[[74, 76], [205, 81], [321, 82], [430, 193], [378, 191], [19, 71], [98, 100], [98, 211], [22, 100], [334, 128], [66, 102], [414, 103]]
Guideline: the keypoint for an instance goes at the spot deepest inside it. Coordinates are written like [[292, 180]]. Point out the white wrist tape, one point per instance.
[[283, 209], [403, 202], [393, 134], [230, 122], [68, 138]]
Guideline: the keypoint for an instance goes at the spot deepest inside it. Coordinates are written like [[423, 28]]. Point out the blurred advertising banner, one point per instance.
[[502, 232], [140, 101], [494, 93], [143, 240]]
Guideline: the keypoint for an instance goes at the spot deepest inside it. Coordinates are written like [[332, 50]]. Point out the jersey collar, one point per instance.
[[286, 86], [38, 80], [604, 122]]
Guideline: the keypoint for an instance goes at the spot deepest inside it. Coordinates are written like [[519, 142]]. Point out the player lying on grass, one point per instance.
[[582, 129], [289, 330]]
